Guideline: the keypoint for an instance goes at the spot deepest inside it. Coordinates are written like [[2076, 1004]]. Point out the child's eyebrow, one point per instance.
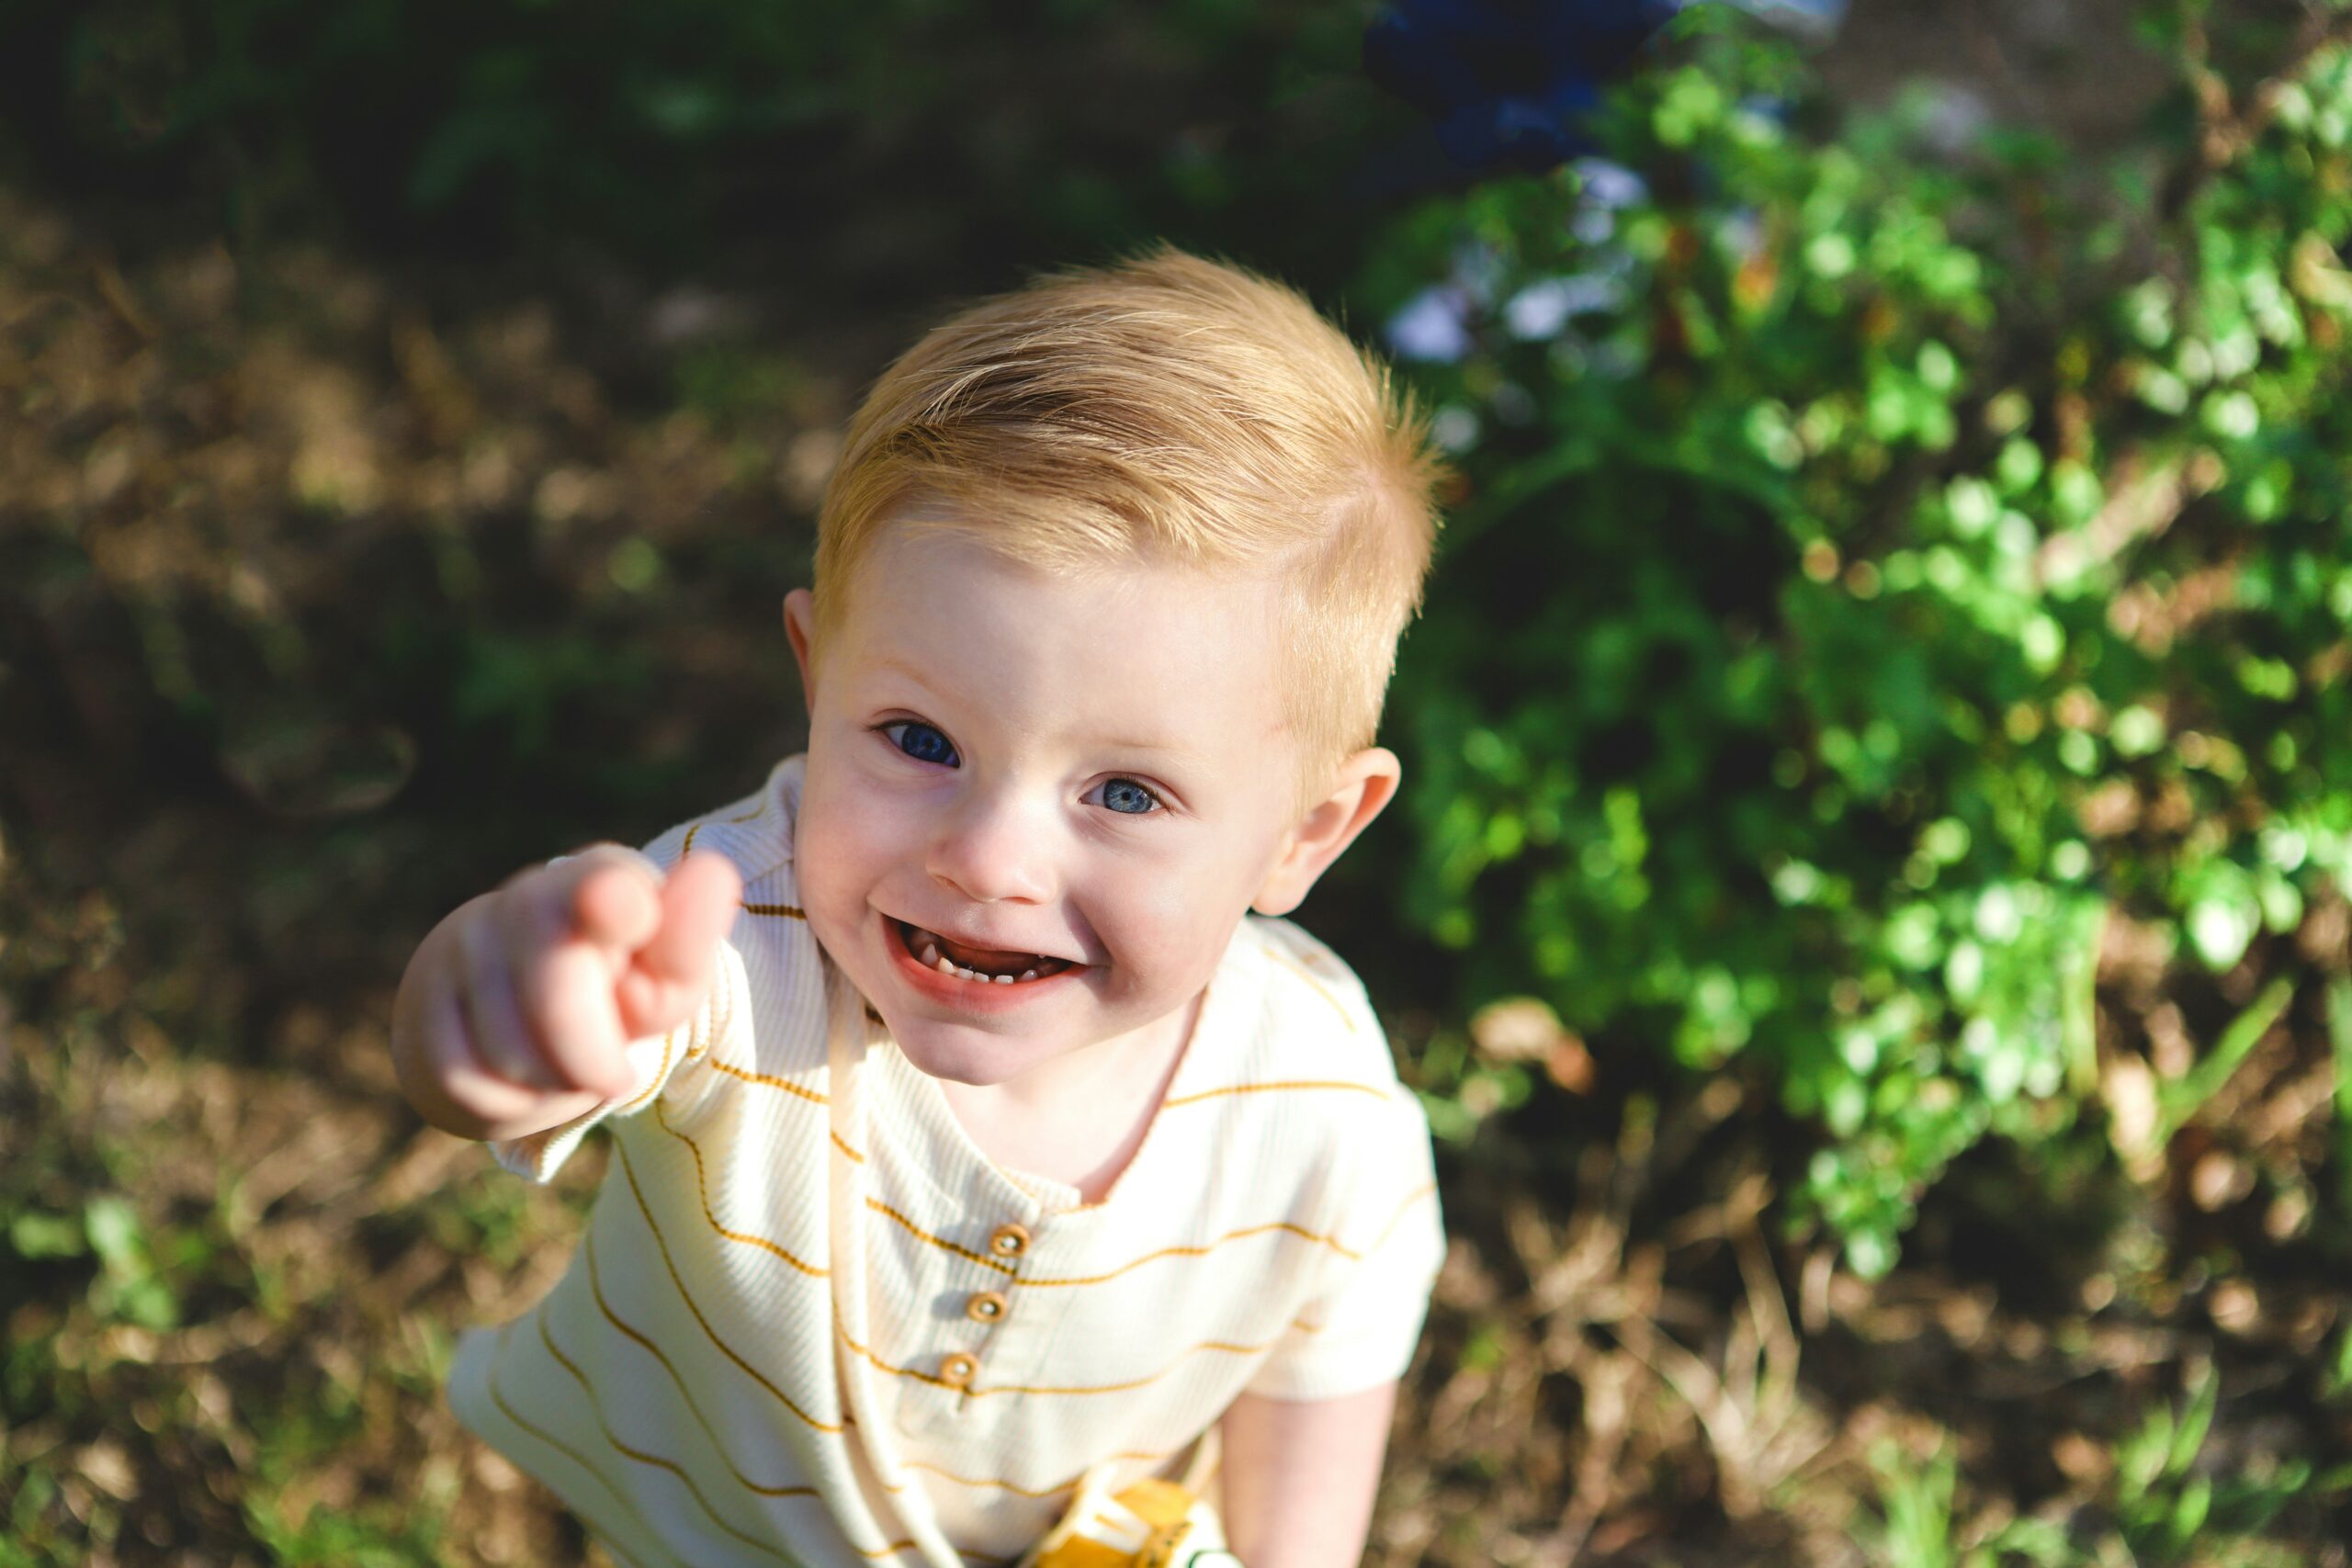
[[1158, 747], [901, 666]]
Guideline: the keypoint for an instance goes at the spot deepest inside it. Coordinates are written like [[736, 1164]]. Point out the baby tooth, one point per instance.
[[967, 973], [1028, 973], [1004, 979], [929, 954], [944, 966]]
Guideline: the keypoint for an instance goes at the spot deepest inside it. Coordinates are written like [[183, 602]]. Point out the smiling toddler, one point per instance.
[[983, 1139]]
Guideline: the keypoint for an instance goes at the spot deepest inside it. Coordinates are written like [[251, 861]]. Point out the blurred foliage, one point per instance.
[[2163, 1507], [708, 134], [1880, 570]]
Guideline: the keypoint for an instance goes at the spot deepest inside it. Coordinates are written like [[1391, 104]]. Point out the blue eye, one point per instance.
[[1128, 798], [922, 742]]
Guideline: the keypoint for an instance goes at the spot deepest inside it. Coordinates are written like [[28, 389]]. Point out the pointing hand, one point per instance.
[[515, 1014]]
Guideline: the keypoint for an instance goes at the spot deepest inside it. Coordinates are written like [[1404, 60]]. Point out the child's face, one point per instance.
[[1082, 782]]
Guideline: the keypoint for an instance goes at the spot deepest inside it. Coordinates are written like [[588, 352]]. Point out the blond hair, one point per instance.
[[1175, 408]]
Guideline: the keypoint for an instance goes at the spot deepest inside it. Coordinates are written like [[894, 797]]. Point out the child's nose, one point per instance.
[[991, 852]]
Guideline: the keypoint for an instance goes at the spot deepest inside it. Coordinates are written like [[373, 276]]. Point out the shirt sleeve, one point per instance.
[[1361, 1327]]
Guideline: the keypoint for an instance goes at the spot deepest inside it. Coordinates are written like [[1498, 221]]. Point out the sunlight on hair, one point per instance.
[[1173, 408]]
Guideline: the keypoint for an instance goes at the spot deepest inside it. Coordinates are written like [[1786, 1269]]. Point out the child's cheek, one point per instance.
[[831, 851], [1173, 921]]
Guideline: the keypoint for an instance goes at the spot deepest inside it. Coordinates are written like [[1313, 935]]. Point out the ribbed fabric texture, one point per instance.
[[812, 1323]]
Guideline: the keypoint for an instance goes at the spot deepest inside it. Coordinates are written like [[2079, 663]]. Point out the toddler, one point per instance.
[[977, 1148]]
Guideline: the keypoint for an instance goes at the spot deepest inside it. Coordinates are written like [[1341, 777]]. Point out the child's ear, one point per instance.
[[799, 625], [1364, 783]]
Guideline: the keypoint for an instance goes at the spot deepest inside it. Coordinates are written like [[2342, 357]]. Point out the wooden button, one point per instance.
[[1009, 1241], [984, 1306], [958, 1369]]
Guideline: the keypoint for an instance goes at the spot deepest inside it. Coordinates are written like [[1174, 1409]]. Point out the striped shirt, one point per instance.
[[812, 1323]]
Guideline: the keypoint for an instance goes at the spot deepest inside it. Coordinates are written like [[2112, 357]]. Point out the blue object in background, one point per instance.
[[1815, 19], [1508, 82]]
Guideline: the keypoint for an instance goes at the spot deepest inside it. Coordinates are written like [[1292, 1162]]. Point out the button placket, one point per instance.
[[1008, 1243]]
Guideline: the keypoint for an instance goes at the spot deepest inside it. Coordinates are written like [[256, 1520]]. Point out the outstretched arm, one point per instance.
[[1299, 1477]]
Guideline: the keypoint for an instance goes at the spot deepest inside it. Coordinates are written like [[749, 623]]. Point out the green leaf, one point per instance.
[[2189, 1511], [2224, 917], [35, 1234], [1871, 1253], [2179, 1100], [113, 1230], [2195, 1423]]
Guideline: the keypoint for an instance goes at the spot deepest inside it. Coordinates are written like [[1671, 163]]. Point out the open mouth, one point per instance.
[[982, 966]]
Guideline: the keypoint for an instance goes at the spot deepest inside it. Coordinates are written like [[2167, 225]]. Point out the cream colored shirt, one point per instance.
[[812, 1323]]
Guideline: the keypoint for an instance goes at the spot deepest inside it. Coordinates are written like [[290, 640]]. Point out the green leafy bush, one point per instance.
[[1878, 569]]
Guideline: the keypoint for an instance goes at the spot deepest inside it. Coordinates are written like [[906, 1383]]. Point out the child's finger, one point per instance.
[[567, 996], [495, 1025], [610, 897], [669, 974], [456, 1071]]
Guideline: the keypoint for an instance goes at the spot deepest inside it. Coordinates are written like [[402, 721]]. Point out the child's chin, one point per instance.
[[981, 1062]]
